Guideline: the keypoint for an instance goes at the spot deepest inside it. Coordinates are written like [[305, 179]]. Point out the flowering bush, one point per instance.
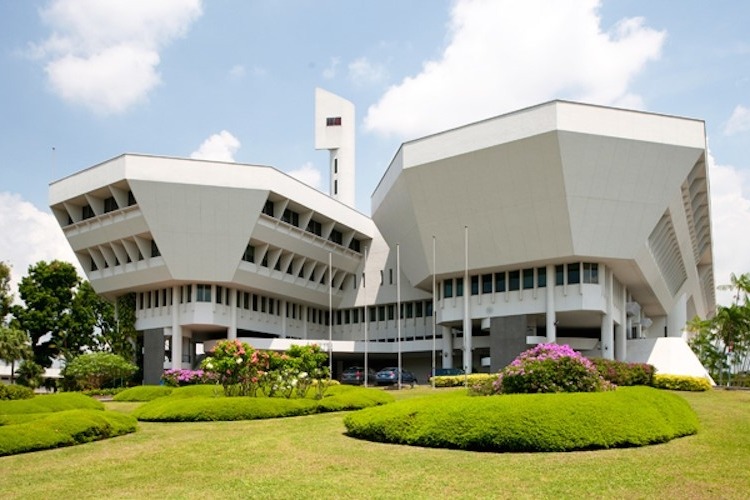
[[621, 373], [550, 368], [242, 370], [177, 378]]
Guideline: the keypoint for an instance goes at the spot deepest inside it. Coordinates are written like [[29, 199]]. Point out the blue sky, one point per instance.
[[235, 80]]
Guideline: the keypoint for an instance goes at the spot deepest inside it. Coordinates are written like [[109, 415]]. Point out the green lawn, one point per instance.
[[310, 457]]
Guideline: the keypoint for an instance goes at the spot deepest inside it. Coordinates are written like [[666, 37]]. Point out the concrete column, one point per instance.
[[621, 333], [176, 336], [551, 316], [447, 346], [677, 317], [283, 314], [233, 299], [305, 313], [607, 334]]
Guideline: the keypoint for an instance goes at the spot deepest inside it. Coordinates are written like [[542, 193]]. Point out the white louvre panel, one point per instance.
[[666, 252]]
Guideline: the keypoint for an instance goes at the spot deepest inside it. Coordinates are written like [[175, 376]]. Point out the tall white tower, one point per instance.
[[334, 131]]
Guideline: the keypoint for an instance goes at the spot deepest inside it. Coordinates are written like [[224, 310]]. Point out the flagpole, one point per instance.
[[398, 308], [467, 320], [330, 317], [434, 310], [364, 310]]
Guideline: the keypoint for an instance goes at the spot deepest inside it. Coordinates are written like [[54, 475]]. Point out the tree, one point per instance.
[[96, 369], [47, 292], [6, 298], [112, 332], [30, 374], [14, 346]]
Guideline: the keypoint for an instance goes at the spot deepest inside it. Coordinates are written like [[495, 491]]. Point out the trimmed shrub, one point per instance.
[[63, 428], [621, 373], [143, 393], [98, 369], [50, 403], [550, 368], [208, 403], [681, 383], [8, 392], [458, 380], [629, 416]]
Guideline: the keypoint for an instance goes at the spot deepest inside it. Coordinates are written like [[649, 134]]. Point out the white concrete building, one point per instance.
[[563, 222]]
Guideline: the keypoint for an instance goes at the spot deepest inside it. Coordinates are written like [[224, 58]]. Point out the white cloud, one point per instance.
[[364, 72], [730, 217], [308, 174], [218, 147], [105, 55], [330, 72], [504, 54], [28, 236], [739, 121], [237, 72]]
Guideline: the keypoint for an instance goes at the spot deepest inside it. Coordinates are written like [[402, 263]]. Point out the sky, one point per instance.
[[83, 81]]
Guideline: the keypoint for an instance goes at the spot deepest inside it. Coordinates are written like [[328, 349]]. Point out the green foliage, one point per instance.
[[624, 374], [63, 428], [30, 374], [50, 403], [97, 369], [6, 298], [630, 416], [8, 392], [681, 383], [14, 346], [459, 380], [199, 403], [143, 393]]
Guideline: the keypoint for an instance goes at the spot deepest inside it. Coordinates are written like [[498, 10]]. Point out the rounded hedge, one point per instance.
[[630, 416], [9, 392], [143, 393], [202, 403], [50, 403]]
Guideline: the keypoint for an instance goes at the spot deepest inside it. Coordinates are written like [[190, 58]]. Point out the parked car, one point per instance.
[[355, 375], [389, 376], [448, 372]]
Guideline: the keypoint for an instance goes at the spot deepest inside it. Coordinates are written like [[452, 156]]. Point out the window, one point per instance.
[[268, 208], [289, 269], [335, 186], [459, 287], [409, 310], [93, 266], [486, 283], [264, 260], [448, 289], [156, 298], [574, 273], [381, 313], [336, 237], [335, 165], [203, 293], [541, 277], [255, 302], [290, 217], [263, 304], [559, 275], [110, 205], [372, 314], [381, 278], [391, 310], [249, 255], [154, 249], [390, 276], [475, 285], [277, 266], [86, 212], [355, 315], [355, 245], [500, 282], [131, 199], [246, 300], [333, 121], [590, 272], [418, 309], [514, 280], [314, 227], [219, 293], [428, 312], [189, 294], [271, 303], [528, 279], [347, 317]]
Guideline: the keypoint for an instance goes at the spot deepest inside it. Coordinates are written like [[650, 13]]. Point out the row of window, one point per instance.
[[154, 253], [260, 303], [314, 227], [521, 279], [110, 205], [249, 256]]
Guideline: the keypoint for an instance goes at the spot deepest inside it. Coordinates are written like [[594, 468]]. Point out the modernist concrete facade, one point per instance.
[[564, 222]]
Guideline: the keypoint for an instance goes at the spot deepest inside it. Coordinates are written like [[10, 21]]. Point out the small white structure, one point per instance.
[[563, 222]]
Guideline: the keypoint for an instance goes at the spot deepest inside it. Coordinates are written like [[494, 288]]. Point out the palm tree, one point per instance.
[[14, 346], [739, 285]]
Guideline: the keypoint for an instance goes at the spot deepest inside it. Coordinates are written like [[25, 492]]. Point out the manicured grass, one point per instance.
[[311, 457], [629, 416]]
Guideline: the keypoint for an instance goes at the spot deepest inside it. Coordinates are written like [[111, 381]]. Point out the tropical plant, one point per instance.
[[30, 374], [97, 369], [14, 346]]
